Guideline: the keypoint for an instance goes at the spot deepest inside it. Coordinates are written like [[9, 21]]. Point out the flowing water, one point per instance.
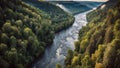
[[63, 41]]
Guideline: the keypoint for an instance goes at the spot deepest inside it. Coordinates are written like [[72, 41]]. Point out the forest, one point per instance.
[[26, 30], [58, 15], [28, 27], [99, 41]]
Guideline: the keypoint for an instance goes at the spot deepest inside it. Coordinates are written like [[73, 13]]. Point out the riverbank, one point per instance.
[[98, 45], [63, 41]]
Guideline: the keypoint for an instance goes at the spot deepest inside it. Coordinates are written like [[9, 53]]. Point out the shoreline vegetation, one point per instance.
[[98, 45], [25, 31]]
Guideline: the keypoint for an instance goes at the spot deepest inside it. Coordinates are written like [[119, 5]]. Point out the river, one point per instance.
[[63, 41]]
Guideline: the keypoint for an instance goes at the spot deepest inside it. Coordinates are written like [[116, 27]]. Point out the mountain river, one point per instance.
[[63, 41]]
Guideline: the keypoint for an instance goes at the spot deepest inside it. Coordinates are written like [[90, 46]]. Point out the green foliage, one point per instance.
[[108, 35], [109, 55], [112, 55], [69, 57], [77, 46], [99, 65], [97, 56], [57, 15], [83, 44], [13, 41], [86, 60], [11, 55], [7, 27], [99, 41], [3, 48], [25, 31], [4, 38], [58, 66], [75, 60], [117, 29], [19, 23], [83, 31]]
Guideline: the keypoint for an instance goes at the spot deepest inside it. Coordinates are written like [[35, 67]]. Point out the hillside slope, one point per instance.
[[99, 41], [58, 16], [24, 32], [75, 7]]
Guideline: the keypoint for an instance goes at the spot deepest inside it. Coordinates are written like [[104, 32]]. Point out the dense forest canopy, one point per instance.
[[25, 31], [99, 41], [28, 26], [58, 16]]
